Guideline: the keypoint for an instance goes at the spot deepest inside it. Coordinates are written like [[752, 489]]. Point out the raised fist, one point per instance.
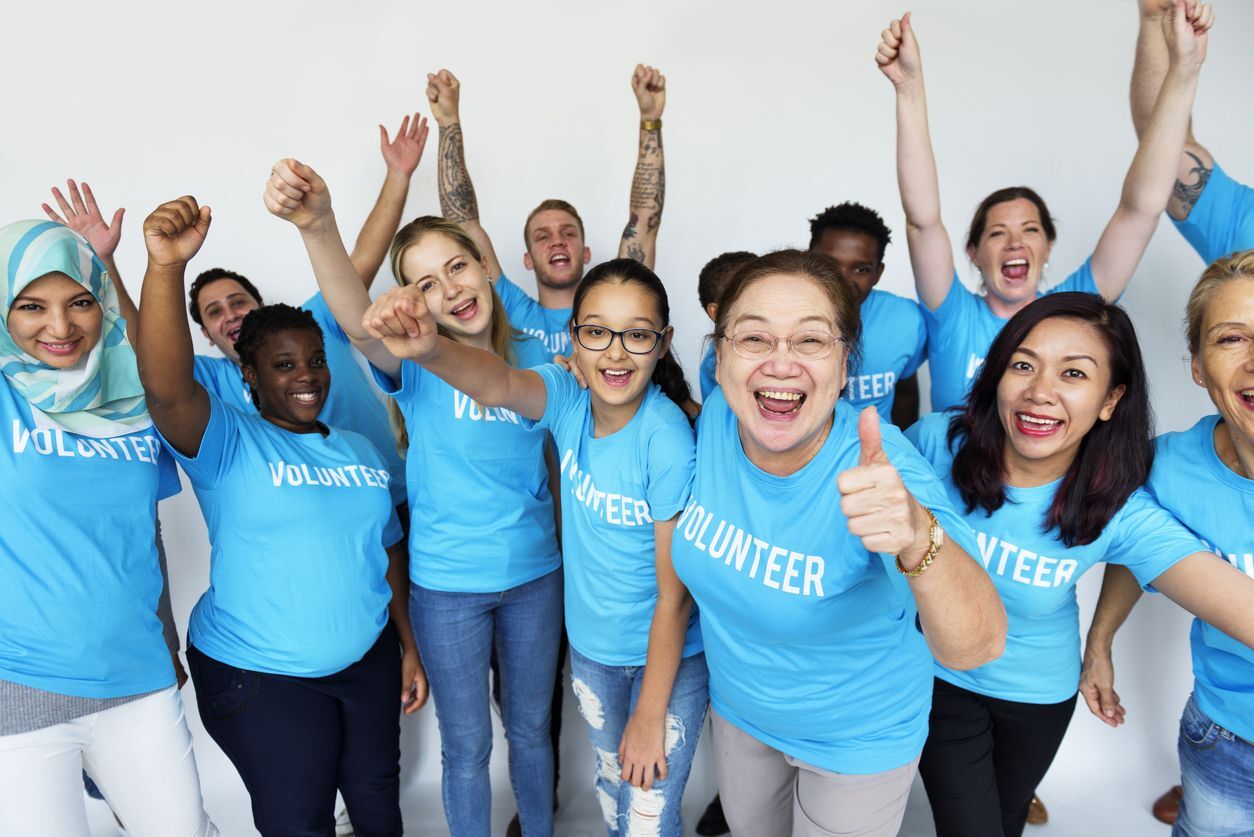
[[175, 230], [298, 194], [444, 93], [649, 85], [898, 52]]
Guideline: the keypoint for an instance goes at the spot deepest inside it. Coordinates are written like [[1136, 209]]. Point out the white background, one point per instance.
[[774, 111]]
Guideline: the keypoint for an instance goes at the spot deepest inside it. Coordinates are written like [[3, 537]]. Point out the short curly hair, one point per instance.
[[717, 272], [852, 217]]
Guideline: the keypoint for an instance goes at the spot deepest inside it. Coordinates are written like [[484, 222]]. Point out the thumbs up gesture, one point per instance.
[[879, 508]]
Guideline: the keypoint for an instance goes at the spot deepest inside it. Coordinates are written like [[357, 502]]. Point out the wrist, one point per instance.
[[448, 122], [398, 176], [174, 269], [912, 556], [1098, 645], [320, 226], [650, 122]]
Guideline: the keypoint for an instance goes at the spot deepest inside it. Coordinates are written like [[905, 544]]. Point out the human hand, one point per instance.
[[1186, 25], [567, 362], [642, 752], [898, 53], [444, 93], [404, 153], [649, 85], [1097, 685], [174, 232], [414, 689], [401, 320], [297, 193], [81, 214], [879, 508]]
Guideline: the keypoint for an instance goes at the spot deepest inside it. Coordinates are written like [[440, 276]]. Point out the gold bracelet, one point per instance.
[[650, 124], [936, 539]]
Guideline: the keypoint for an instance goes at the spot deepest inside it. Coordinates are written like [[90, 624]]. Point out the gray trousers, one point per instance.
[[768, 794]]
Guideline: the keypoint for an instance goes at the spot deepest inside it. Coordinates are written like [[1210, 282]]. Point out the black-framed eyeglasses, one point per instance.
[[597, 338], [811, 345]]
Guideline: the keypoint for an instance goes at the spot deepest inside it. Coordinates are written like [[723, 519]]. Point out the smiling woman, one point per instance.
[[813, 539]]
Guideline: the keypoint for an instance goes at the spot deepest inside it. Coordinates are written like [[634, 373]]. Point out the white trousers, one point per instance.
[[140, 756]]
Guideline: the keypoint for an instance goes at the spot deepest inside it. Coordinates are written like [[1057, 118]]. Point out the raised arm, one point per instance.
[[931, 254], [1148, 71], [179, 406], [297, 193], [642, 751], [402, 156], [648, 184], [963, 619], [1120, 593], [1154, 169], [401, 320], [457, 194], [81, 214]]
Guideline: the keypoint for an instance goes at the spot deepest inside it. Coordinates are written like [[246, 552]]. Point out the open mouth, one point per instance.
[[307, 398], [616, 378], [559, 260], [233, 334], [64, 347], [466, 310], [1247, 397], [1034, 425], [779, 403], [1015, 269]]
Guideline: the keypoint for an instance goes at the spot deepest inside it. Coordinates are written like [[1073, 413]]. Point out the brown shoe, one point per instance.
[[1037, 815], [1167, 807]]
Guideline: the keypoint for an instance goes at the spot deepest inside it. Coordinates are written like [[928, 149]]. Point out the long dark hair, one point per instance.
[[1114, 457], [668, 374]]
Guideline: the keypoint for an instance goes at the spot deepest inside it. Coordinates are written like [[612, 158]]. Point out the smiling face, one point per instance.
[[223, 305], [1224, 361], [1011, 254], [56, 321], [1056, 388], [858, 256], [555, 249], [455, 286], [617, 378], [784, 402], [291, 378]]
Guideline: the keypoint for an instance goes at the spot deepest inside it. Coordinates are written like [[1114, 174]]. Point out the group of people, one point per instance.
[[851, 604]]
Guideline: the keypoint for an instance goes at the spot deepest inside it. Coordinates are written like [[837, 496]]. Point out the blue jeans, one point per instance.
[[1217, 771], [456, 633], [607, 695]]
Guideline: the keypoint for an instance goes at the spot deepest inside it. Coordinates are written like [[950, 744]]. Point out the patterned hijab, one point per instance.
[[101, 395]]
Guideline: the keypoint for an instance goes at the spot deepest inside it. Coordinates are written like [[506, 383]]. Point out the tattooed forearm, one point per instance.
[[457, 193], [1186, 194], [648, 194]]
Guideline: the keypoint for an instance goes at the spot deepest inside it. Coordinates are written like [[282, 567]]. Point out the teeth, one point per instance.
[[1044, 422], [1016, 262], [616, 373], [462, 306], [1247, 393], [779, 396], [307, 397]]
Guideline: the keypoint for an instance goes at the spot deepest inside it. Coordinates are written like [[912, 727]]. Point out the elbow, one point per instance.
[[977, 647]]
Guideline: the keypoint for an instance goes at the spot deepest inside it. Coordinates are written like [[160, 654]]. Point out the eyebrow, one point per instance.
[[1218, 326], [75, 298], [757, 318], [1068, 358], [646, 320]]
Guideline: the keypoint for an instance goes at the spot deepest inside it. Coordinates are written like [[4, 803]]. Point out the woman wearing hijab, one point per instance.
[[85, 677]]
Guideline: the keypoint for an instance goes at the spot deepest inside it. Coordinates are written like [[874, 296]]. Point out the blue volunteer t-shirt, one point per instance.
[[297, 523], [709, 370], [894, 338], [1222, 220], [352, 403], [481, 516], [961, 330], [810, 639], [1035, 574], [79, 578], [551, 326], [1194, 484], [613, 489]]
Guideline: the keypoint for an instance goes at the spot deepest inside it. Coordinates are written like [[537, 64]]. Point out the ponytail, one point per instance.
[[669, 376]]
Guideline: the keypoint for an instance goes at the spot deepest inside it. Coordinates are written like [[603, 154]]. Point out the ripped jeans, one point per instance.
[[607, 695]]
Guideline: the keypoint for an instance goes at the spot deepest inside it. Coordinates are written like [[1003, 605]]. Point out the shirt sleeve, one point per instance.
[[1081, 280], [392, 532], [671, 461], [511, 296], [217, 445], [331, 330], [1222, 220], [404, 388], [956, 302], [167, 475], [1148, 540], [560, 393]]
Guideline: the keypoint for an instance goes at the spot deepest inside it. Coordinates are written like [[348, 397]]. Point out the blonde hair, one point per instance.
[[546, 205], [1239, 265], [502, 333]]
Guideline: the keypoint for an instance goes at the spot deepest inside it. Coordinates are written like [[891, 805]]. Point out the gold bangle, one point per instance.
[[650, 124], [936, 539]]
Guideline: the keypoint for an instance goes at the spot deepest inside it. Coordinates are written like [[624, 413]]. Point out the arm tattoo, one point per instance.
[[457, 193], [1187, 194], [648, 193]]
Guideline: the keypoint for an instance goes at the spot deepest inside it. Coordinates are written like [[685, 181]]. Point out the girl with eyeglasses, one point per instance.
[[484, 566], [626, 450]]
